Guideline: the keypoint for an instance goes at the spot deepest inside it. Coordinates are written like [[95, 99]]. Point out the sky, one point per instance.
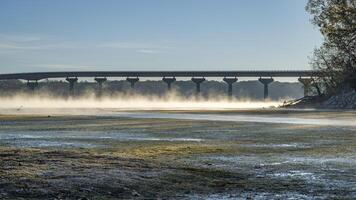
[[67, 35]]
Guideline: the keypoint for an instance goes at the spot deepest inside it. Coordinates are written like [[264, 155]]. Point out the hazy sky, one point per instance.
[[51, 35]]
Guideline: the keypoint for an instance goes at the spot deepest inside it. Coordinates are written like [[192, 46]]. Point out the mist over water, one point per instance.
[[137, 106], [132, 102]]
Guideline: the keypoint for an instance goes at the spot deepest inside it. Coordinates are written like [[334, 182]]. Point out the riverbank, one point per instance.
[[120, 156], [345, 100]]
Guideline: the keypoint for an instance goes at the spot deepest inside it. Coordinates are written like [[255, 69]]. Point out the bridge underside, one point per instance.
[[198, 77], [45, 75]]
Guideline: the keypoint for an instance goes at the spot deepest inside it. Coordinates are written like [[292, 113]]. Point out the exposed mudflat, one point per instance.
[[101, 154]]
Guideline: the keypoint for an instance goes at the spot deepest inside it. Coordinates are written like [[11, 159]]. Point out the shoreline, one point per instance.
[[133, 158]]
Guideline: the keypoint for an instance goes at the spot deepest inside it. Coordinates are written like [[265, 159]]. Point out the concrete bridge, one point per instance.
[[169, 77]]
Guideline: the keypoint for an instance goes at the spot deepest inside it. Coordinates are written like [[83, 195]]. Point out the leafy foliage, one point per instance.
[[336, 58]]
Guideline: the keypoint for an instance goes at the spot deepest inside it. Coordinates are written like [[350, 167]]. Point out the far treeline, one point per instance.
[[209, 89], [336, 58]]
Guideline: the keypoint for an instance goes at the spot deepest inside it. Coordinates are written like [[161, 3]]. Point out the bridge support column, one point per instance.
[[100, 82], [169, 82], [132, 81], [229, 82], [32, 85], [71, 82], [265, 82], [197, 82], [306, 84]]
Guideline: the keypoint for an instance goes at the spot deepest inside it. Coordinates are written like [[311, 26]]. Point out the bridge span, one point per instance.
[[169, 77]]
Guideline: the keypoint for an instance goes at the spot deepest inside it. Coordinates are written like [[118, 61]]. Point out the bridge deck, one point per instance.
[[45, 75]]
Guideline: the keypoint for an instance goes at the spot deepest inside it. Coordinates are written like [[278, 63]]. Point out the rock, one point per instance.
[[134, 193], [345, 100], [3, 194]]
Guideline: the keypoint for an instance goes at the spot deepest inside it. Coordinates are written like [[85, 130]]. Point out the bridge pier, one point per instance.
[[169, 82], [32, 85], [197, 82], [306, 84], [132, 81], [100, 82], [229, 82], [71, 82], [265, 82]]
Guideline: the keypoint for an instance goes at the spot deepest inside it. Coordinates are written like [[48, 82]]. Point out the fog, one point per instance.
[[131, 102]]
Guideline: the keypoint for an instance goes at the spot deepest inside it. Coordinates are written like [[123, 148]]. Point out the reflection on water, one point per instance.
[[346, 122], [48, 143], [245, 118], [79, 139]]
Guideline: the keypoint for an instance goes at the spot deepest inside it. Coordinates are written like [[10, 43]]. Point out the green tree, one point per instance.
[[336, 58]]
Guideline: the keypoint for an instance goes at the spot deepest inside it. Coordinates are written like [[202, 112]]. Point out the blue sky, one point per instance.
[[51, 35]]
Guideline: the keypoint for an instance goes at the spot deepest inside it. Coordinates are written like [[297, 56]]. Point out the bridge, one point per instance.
[[169, 77]]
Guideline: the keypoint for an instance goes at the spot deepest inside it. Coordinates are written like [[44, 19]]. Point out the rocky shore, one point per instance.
[[344, 100]]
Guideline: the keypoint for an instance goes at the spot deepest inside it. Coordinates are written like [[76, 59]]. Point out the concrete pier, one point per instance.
[[132, 81], [197, 82], [169, 77], [169, 82], [265, 82], [229, 82], [306, 84], [32, 85], [100, 82], [71, 82]]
